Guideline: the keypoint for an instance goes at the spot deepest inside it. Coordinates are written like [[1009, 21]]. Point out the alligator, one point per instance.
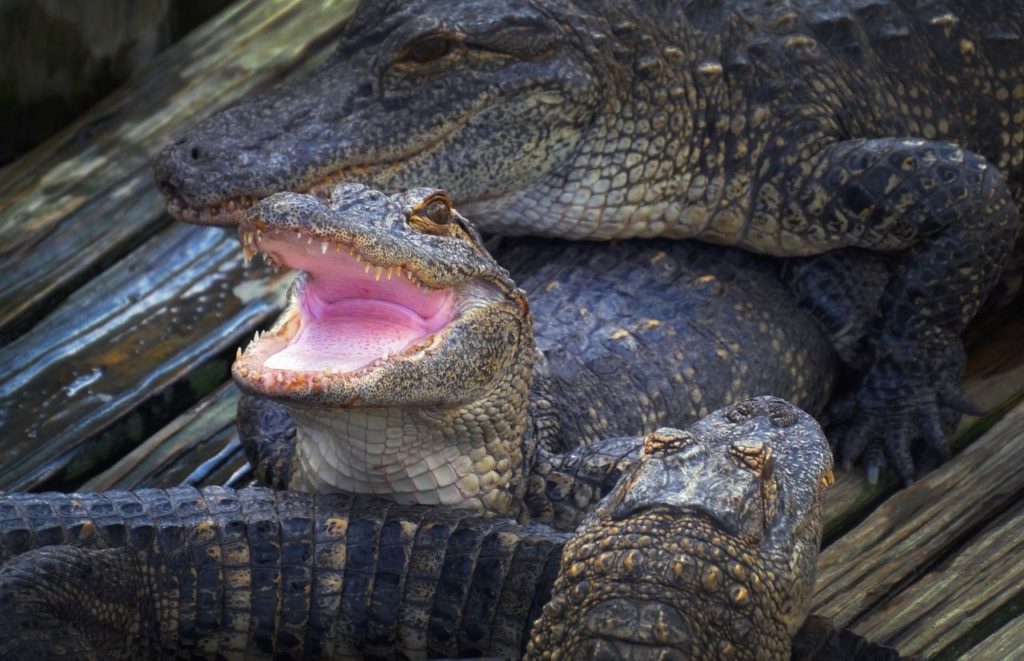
[[706, 549], [407, 363], [789, 129]]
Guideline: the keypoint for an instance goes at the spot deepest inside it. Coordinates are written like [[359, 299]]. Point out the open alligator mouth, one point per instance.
[[346, 315]]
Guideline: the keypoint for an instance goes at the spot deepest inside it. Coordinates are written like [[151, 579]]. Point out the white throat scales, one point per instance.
[[404, 455]]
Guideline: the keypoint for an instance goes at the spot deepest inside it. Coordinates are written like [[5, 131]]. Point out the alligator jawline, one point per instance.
[[229, 212]]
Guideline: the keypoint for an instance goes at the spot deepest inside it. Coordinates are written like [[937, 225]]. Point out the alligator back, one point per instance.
[[937, 70], [641, 334]]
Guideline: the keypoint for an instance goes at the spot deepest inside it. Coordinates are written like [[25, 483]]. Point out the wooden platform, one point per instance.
[[117, 327]]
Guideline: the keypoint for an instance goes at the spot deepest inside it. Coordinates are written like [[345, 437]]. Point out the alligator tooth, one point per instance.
[[337, 247], [238, 353], [309, 241], [248, 252], [376, 272], [298, 235], [390, 272], [256, 336], [323, 247], [366, 269]]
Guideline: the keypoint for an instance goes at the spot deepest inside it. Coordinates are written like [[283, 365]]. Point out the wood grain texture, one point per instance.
[[85, 198], [198, 447], [922, 525], [956, 594], [1006, 644], [126, 353]]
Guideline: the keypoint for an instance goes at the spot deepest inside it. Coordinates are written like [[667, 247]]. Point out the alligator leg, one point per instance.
[[77, 603], [267, 433], [564, 487], [951, 214]]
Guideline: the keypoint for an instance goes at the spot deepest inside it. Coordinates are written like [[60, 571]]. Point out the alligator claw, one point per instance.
[[881, 420], [955, 398]]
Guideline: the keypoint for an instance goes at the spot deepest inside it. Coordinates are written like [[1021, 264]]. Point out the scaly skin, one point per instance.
[[887, 125], [629, 337], [262, 573], [735, 516]]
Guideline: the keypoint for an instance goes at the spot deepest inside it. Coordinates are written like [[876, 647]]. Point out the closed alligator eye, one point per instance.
[[427, 49]]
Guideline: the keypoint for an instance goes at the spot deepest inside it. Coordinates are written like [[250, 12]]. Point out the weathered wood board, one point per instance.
[[938, 557], [198, 447], [78, 202], [75, 394]]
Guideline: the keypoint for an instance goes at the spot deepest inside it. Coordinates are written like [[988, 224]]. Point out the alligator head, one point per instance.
[[707, 550], [405, 353], [516, 108]]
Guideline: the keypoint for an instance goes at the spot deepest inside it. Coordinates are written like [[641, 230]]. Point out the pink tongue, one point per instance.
[[350, 334]]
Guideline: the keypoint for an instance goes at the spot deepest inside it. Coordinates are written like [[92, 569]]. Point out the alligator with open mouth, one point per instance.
[[789, 129], [409, 364]]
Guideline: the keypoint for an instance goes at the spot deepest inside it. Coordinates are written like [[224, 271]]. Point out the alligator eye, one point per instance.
[[437, 211], [427, 49], [434, 216]]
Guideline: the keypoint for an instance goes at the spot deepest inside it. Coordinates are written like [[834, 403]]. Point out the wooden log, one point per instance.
[[198, 447], [922, 524], [84, 198], [127, 353], [958, 594], [1007, 643]]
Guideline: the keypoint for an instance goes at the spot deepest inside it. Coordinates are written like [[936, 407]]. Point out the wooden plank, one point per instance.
[[922, 523], [1007, 643], [957, 595], [85, 198], [189, 450], [126, 353]]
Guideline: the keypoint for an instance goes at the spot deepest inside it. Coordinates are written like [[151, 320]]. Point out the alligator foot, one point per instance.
[[908, 395]]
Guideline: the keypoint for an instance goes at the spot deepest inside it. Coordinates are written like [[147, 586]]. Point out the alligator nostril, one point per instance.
[[181, 140], [195, 153]]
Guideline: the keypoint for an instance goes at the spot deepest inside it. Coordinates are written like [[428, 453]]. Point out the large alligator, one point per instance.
[[789, 129], [706, 550], [407, 363]]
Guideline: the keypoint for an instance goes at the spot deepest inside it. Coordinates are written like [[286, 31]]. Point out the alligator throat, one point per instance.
[[348, 313]]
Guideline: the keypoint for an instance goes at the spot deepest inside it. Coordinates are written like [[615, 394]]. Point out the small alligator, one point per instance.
[[407, 365], [789, 129], [706, 549]]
